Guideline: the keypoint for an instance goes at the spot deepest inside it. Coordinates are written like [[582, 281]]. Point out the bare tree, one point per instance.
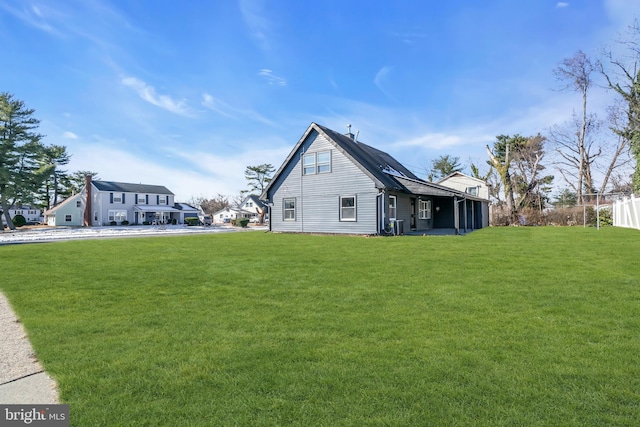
[[575, 72], [576, 143], [210, 206], [622, 72]]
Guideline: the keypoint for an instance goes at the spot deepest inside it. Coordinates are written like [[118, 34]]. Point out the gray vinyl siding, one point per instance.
[[318, 196]]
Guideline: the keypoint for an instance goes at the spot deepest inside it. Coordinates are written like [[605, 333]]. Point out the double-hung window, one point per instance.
[[118, 216], [347, 208], [425, 209], [289, 209], [392, 207], [313, 163]]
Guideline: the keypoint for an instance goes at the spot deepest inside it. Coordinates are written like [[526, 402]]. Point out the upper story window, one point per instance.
[[162, 200], [78, 203], [313, 163], [142, 199], [116, 198], [472, 190]]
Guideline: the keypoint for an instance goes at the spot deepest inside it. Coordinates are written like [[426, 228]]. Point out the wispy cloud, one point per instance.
[[254, 17], [409, 38], [33, 16], [381, 78], [148, 93], [562, 4], [271, 78], [69, 135], [231, 112]]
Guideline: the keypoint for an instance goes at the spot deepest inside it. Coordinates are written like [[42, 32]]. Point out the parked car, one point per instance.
[[205, 220]]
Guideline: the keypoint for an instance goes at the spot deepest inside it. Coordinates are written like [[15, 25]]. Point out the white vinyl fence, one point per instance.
[[626, 212]]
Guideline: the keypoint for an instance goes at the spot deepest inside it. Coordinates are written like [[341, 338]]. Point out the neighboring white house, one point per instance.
[[227, 214], [107, 202], [466, 184], [250, 208], [68, 212], [31, 214], [333, 183]]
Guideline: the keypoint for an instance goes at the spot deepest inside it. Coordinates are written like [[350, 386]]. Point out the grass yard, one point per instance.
[[505, 326]]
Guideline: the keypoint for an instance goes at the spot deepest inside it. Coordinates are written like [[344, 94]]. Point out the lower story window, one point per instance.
[[117, 216], [425, 209], [289, 209], [347, 208], [67, 218]]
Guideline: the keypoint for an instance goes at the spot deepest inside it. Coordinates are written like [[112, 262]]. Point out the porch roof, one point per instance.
[[155, 208]]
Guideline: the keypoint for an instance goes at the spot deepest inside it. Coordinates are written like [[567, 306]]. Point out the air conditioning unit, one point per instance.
[[397, 226]]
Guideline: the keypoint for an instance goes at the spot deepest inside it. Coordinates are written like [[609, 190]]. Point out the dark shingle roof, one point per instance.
[[384, 170], [130, 188]]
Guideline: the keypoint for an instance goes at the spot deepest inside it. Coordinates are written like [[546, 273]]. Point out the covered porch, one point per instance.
[[155, 215]]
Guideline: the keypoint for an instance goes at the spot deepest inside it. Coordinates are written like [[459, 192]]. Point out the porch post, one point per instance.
[[456, 219], [466, 220]]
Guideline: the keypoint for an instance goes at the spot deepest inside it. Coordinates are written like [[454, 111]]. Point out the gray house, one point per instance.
[[332, 183]]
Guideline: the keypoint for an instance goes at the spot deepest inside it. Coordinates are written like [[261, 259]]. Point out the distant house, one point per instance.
[[69, 212], [250, 208], [332, 183], [466, 184], [106, 202], [31, 214]]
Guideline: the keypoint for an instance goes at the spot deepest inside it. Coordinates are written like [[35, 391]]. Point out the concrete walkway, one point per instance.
[[22, 379]]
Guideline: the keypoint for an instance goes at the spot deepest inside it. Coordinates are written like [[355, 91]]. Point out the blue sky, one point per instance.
[[187, 94]]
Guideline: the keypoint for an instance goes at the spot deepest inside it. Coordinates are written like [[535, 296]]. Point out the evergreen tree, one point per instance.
[[20, 149]]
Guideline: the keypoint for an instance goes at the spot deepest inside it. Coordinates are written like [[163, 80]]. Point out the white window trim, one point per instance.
[[309, 166], [395, 208], [355, 208], [316, 165], [285, 210], [425, 213], [117, 215]]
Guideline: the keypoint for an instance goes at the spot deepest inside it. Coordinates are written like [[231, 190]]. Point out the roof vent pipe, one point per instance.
[[349, 134]]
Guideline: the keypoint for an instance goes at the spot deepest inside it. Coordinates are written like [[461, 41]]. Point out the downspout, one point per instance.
[[456, 211], [301, 189], [382, 211]]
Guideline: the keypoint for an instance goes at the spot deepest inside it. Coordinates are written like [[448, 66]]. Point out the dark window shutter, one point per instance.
[[123, 198], [110, 197], [136, 199], [157, 200]]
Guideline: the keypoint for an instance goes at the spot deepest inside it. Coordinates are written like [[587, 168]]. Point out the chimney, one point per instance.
[[87, 205]]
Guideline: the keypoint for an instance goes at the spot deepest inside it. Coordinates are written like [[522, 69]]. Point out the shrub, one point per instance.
[[113, 223], [174, 221], [192, 220], [242, 222], [125, 222], [146, 223], [606, 216], [19, 221], [234, 222]]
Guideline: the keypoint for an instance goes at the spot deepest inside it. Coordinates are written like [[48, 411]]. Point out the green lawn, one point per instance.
[[505, 326]]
